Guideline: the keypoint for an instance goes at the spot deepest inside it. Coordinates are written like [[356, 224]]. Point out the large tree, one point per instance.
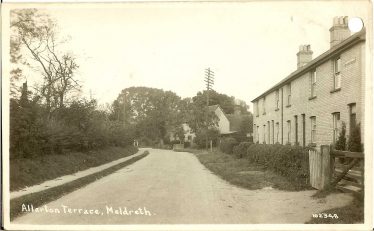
[[34, 43], [154, 112]]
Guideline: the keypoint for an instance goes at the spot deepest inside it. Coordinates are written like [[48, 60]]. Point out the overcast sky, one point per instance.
[[250, 46]]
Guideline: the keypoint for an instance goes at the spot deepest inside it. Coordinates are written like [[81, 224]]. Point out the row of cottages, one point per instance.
[[309, 106]]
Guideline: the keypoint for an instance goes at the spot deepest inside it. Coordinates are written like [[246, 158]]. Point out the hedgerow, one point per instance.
[[286, 160]]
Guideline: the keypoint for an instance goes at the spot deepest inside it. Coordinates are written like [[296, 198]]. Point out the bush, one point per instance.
[[289, 161], [187, 144], [227, 145], [354, 142], [203, 134], [79, 126], [341, 142], [240, 150]]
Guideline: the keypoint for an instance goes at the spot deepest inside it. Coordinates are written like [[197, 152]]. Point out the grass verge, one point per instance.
[[27, 172], [43, 197], [243, 173]]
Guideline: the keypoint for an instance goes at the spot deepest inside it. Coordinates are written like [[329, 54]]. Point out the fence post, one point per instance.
[[326, 166]]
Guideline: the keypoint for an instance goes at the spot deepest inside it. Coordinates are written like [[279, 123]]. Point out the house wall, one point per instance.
[[322, 106], [188, 134], [223, 122]]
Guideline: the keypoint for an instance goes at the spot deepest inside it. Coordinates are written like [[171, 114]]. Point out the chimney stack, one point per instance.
[[339, 30], [304, 55]]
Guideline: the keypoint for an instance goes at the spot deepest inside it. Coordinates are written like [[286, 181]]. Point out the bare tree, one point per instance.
[[35, 34]]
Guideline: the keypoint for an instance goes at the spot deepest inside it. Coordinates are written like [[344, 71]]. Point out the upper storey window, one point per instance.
[[337, 73]]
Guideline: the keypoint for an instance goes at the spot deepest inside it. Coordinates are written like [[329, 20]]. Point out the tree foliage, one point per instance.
[[34, 44], [354, 142], [42, 122], [154, 112], [341, 143]]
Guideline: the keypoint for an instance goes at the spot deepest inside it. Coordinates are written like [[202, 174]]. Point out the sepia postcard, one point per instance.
[[187, 115]]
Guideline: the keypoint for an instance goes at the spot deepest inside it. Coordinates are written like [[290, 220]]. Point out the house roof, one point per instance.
[[213, 107], [347, 43]]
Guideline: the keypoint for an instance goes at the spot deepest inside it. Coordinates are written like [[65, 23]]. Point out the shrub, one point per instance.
[[341, 142], [289, 161], [203, 134], [227, 145], [240, 150], [354, 142], [187, 144]]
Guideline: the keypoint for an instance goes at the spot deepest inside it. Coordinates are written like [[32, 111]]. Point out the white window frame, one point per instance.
[[264, 105], [335, 124], [277, 99], [337, 73], [313, 83], [289, 94], [288, 131], [313, 129], [264, 135], [277, 132]]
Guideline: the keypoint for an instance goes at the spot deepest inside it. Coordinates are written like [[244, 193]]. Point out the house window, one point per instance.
[[313, 83], [277, 99], [264, 135], [289, 94], [277, 132], [296, 131], [268, 132], [256, 108], [272, 131], [352, 117], [313, 129], [288, 131], [335, 121], [258, 134], [337, 74], [264, 106]]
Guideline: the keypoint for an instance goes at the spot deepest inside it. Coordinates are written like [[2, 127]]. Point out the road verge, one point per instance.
[[40, 198]]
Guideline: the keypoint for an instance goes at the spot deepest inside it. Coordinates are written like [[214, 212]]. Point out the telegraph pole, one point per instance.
[[209, 80]]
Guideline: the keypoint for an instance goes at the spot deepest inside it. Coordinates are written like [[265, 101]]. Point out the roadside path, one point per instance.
[[68, 178], [169, 187]]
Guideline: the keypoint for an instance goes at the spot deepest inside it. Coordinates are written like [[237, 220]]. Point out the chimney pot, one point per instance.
[[304, 55], [339, 30]]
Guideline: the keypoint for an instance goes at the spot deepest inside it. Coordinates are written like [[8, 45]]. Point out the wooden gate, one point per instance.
[[348, 170], [320, 167], [342, 169], [315, 162]]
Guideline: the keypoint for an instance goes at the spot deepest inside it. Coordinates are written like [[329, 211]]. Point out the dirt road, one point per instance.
[[169, 187]]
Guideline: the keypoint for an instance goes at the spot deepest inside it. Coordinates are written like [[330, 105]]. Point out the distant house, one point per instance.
[[223, 125], [228, 124], [189, 136]]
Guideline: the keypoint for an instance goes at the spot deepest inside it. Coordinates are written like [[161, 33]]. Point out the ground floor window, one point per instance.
[[277, 132], [336, 122], [352, 117], [313, 125], [288, 131], [264, 135]]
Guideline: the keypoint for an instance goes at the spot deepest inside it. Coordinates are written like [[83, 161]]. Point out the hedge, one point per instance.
[[286, 160], [227, 145], [241, 150]]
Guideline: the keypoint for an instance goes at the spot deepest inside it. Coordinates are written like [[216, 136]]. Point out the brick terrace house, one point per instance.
[[308, 106]]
